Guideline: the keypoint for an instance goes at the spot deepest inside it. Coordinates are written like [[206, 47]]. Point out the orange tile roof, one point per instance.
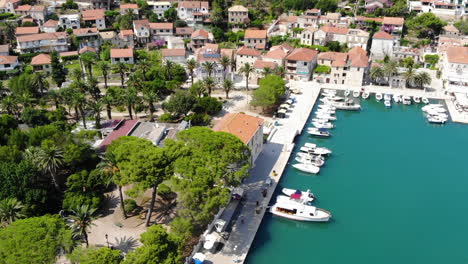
[[302, 54], [457, 55], [173, 52], [193, 4], [84, 31], [50, 23], [276, 54], [261, 64], [37, 8], [126, 32], [42, 36], [5, 48], [141, 23], [87, 49], [398, 21], [41, 59], [161, 25], [184, 30], [121, 53], [240, 125], [228, 53], [23, 8], [331, 55], [335, 30], [248, 52], [128, 6], [68, 53], [382, 35], [93, 14], [255, 34], [8, 59], [200, 33], [26, 30]]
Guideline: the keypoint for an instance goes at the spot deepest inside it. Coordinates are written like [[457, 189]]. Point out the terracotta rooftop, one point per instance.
[[255, 33], [333, 56], [357, 50], [261, 64], [276, 54], [375, 19], [141, 23], [68, 53], [26, 30], [397, 21], [173, 52], [41, 59], [240, 125], [8, 59], [125, 32], [87, 49], [302, 54], [121, 53], [200, 33], [24, 8], [457, 55], [84, 31], [50, 23], [37, 8], [228, 53], [5, 48], [124, 128], [161, 25], [382, 35], [334, 30], [238, 8], [193, 4], [248, 52], [41, 36], [128, 6], [184, 30], [93, 14]]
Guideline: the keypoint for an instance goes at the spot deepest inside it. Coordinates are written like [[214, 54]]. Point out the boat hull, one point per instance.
[[300, 218]]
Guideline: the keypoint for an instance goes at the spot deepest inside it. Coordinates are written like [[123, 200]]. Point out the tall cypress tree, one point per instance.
[[59, 73]]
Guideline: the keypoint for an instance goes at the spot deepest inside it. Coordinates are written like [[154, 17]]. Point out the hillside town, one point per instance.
[[149, 131]]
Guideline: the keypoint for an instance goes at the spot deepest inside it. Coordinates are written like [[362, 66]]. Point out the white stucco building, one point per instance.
[[382, 45]]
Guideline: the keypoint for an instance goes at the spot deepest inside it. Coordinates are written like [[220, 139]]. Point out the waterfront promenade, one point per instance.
[[274, 156]]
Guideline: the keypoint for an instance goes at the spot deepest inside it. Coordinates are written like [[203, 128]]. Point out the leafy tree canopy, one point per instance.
[[271, 89], [426, 25], [93, 255]]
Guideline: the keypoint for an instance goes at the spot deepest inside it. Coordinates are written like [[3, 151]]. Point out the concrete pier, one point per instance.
[[274, 157]]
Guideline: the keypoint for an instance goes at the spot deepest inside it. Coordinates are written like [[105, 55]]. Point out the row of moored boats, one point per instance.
[[435, 113]]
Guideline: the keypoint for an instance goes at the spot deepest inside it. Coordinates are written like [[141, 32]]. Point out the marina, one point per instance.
[[379, 206]]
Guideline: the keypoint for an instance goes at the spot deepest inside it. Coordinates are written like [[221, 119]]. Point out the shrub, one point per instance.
[[322, 69], [166, 117], [198, 119], [164, 191], [130, 205]]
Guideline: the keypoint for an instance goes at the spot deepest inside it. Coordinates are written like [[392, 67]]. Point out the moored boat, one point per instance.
[[322, 124], [388, 103], [378, 96], [356, 94], [301, 211], [347, 92], [436, 120], [311, 161], [319, 132], [307, 168], [406, 100], [417, 99], [298, 194], [387, 97], [323, 115], [347, 105], [425, 100], [322, 150], [365, 95]]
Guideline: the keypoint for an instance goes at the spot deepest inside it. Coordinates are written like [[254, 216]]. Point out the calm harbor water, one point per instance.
[[397, 188]]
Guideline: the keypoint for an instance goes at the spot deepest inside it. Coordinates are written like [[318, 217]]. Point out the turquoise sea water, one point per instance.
[[397, 188]]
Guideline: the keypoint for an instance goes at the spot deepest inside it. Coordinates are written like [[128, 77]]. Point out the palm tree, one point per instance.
[[76, 74], [109, 166], [135, 80], [49, 160], [279, 70], [10, 30], [25, 99], [376, 74], [80, 221], [227, 86], [267, 71], [191, 66], [389, 69], [131, 99], [209, 67], [144, 66], [421, 79], [10, 104], [96, 107], [92, 87], [168, 65], [150, 97], [121, 69], [55, 97], [10, 210], [409, 77], [104, 67], [210, 84], [39, 82], [246, 70], [79, 101], [225, 62], [89, 59]]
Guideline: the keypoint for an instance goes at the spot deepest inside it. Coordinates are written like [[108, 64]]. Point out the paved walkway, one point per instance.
[[435, 94], [274, 156], [459, 117]]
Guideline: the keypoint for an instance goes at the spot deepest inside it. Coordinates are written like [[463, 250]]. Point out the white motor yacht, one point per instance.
[[319, 132], [325, 116], [298, 210], [347, 105], [356, 94], [326, 107], [397, 98], [441, 115], [309, 155], [378, 96], [432, 106], [323, 125], [315, 162], [309, 168], [322, 150], [406, 100], [334, 98], [387, 97], [365, 95], [388, 104], [436, 120], [321, 119], [417, 99], [425, 100], [325, 111], [298, 194]]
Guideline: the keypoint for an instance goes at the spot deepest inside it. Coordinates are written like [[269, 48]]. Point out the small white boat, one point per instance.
[[406, 100], [435, 110], [323, 125], [319, 132], [436, 120], [432, 106], [315, 162], [365, 95], [307, 168], [334, 98], [417, 99], [347, 92], [298, 194], [321, 119], [325, 116], [298, 210], [378, 96], [388, 104], [326, 107], [441, 115], [397, 98], [325, 111], [347, 105], [329, 91], [308, 154], [356, 94], [425, 100], [322, 150], [387, 97]]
